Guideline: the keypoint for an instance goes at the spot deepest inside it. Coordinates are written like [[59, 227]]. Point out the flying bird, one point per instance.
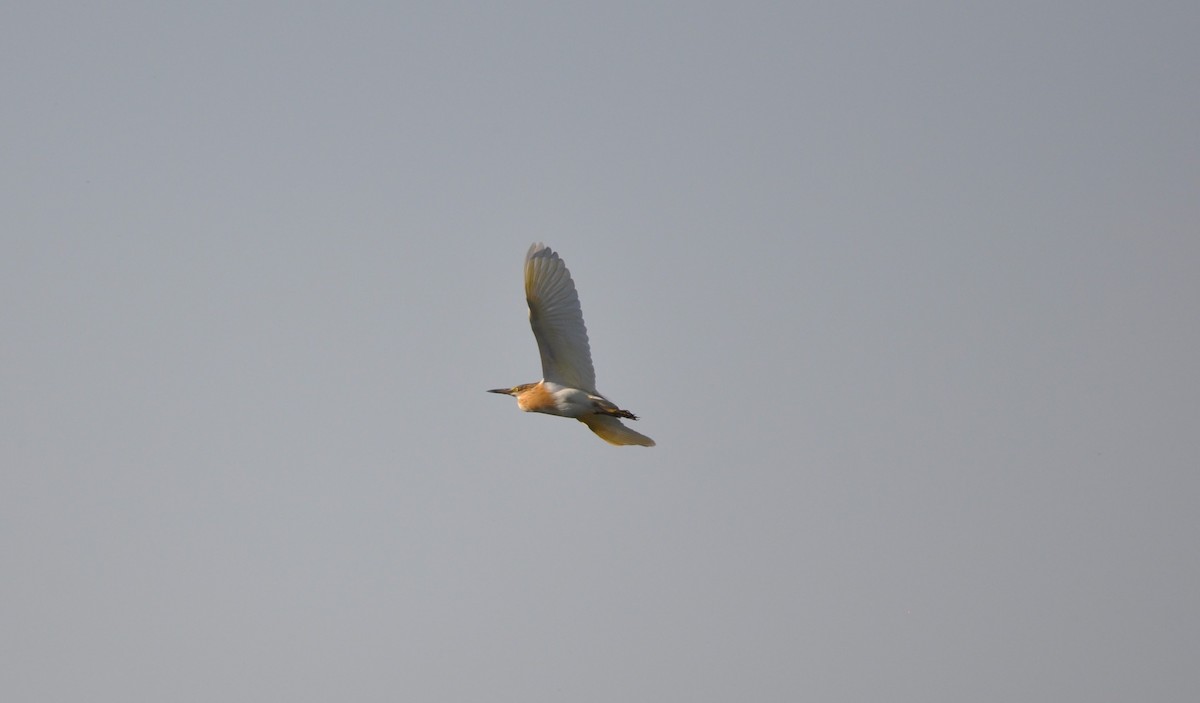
[[568, 385]]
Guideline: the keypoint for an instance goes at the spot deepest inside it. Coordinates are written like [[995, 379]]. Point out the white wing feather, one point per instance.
[[557, 320]]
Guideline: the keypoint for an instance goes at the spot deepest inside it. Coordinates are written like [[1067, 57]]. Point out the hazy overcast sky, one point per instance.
[[907, 294]]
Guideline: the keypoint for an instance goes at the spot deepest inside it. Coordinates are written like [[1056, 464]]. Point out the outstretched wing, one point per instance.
[[557, 320], [613, 431]]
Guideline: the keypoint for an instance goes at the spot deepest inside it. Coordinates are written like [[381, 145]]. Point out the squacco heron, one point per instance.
[[568, 385]]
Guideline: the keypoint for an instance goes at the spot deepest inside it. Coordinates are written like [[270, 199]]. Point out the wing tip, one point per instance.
[[539, 250], [613, 431]]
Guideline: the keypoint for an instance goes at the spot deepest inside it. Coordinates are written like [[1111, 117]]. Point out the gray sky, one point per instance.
[[906, 295]]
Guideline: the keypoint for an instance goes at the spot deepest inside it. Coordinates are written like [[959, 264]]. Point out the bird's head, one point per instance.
[[515, 390], [527, 399]]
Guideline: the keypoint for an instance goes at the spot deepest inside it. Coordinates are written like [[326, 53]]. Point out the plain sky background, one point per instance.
[[907, 293]]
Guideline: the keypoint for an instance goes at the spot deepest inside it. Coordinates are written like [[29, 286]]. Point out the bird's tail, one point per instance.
[[612, 431]]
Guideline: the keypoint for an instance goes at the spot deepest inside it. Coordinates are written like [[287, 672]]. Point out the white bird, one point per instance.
[[568, 385]]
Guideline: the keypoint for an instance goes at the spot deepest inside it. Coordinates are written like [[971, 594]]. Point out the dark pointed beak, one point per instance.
[[505, 391]]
